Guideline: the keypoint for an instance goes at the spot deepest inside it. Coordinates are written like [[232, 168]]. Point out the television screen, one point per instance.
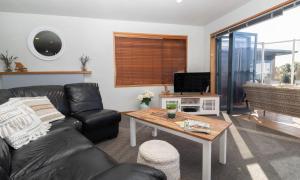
[[191, 82]]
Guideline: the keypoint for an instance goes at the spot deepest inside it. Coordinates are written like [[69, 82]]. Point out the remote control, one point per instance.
[[198, 130]]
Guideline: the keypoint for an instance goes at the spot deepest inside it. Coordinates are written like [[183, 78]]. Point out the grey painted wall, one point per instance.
[[93, 37], [12, 81]]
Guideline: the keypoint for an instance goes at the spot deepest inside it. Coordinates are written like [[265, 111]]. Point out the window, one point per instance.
[[297, 62], [143, 59], [277, 65]]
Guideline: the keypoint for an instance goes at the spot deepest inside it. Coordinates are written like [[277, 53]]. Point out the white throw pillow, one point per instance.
[[19, 124], [42, 106]]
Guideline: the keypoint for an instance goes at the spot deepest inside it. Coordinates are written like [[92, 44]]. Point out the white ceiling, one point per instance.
[[190, 12]]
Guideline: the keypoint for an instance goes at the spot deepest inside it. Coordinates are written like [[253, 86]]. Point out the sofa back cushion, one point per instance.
[[83, 97], [55, 94], [5, 157], [5, 94]]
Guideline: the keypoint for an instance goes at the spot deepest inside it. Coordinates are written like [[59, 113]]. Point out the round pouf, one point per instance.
[[160, 155]]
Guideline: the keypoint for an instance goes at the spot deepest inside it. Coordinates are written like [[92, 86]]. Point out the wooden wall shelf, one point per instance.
[[45, 72]]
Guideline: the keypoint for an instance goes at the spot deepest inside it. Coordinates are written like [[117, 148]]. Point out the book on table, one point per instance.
[[194, 126]]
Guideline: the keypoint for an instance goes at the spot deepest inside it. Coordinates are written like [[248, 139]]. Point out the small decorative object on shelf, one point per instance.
[[166, 91], [8, 60], [20, 67], [84, 59], [171, 109], [145, 99]]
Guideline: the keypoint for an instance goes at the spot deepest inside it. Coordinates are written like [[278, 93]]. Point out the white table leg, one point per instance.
[[132, 132], [223, 148], [154, 132], [206, 162]]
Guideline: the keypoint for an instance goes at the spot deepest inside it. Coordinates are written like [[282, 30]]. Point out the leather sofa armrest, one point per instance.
[[130, 172], [69, 122], [97, 118], [77, 124]]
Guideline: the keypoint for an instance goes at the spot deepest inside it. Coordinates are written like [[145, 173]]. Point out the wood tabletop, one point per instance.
[[159, 117]]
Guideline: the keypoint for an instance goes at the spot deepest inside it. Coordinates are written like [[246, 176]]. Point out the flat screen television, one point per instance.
[[191, 82]]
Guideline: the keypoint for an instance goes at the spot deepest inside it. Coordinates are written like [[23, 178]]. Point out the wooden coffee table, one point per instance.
[[157, 118]]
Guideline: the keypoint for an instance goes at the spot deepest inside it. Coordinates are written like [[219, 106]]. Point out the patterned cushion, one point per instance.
[[42, 106], [19, 124]]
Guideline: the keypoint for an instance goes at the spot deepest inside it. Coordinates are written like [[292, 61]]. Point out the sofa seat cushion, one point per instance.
[[83, 97], [82, 165], [58, 143], [95, 118], [5, 157], [67, 122]]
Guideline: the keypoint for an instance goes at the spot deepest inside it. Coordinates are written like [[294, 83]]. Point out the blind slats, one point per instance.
[[142, 61]]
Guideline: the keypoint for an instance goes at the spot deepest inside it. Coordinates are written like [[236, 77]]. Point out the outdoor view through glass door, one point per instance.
[[264, 50], [236, 59], [262, 53]]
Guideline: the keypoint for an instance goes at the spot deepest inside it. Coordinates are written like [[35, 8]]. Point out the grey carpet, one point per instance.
[[275, 156]]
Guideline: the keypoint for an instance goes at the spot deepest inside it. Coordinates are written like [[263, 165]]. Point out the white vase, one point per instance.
[[144, 106], [171, 113]]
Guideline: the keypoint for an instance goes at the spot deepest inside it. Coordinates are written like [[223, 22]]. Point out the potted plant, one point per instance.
[[171, 109], [8, 60], [145, 99], [84, 60]]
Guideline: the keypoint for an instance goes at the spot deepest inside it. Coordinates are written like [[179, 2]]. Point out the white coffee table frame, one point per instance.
[[206, 152]]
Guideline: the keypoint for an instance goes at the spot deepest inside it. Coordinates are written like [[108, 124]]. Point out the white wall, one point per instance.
[[8, 81], [95, 38], [249, 9], [1, 86]]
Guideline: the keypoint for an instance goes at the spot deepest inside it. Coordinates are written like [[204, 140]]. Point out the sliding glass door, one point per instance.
[[236, 65], [222, 69]]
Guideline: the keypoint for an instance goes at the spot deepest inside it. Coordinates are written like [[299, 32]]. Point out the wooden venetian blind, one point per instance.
[[143, 60], [174, 59]]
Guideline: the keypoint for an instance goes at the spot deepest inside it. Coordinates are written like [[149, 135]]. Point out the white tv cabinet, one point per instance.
[[200, 104]]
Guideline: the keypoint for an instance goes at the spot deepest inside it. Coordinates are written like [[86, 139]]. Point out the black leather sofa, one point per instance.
[[85, 104], [64, 153]]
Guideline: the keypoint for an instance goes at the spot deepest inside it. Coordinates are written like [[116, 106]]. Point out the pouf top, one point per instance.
[[157, 151]]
